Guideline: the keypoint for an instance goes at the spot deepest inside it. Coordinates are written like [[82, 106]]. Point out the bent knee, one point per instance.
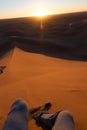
[[19, 103], [66, 114]]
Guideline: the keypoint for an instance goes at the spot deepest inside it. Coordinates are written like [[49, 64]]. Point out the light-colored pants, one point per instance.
[[17, 118]]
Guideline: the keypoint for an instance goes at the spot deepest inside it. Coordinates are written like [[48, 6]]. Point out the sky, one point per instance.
[[23, 8]]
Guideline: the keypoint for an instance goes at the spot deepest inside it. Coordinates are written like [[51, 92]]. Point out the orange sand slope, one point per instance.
[[39, 79]]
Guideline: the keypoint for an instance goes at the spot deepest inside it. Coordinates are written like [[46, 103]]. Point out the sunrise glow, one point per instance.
[[41, 13]]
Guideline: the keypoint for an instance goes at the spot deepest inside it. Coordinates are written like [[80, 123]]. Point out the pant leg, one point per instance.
[[17, 118], [64, 121]]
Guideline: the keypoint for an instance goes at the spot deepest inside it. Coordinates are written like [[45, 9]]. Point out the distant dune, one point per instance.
[[63, 36]]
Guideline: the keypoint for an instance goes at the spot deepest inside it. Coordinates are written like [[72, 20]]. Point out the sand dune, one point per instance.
[[36, 69], [39, 79]]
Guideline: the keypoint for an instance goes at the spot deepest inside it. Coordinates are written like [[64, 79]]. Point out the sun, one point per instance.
[[41, 13]]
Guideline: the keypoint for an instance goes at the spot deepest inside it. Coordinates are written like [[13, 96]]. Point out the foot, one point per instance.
[[38, 110]]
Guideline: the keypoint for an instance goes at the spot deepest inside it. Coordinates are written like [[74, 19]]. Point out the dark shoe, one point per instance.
[[38, 110]]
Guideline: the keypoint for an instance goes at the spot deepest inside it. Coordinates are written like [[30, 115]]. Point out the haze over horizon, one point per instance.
[[23, 8]]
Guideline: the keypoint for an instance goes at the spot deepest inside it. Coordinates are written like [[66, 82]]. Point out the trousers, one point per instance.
[[18, 118]]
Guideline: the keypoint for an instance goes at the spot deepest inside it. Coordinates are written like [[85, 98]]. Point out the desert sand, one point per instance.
[[40, 76]]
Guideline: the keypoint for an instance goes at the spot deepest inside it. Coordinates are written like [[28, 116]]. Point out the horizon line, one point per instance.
[[7, 18]]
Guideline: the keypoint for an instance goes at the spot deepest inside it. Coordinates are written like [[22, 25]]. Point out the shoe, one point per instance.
[[38, 110]]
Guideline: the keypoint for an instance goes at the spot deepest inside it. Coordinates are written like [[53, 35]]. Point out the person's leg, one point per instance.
[[64, 121], [17, 118]]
